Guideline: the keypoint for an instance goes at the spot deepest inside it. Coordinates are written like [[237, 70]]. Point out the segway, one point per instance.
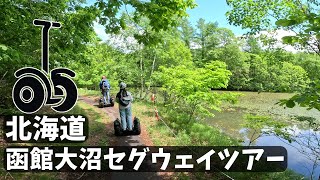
[[35, 88], [102, 104], [118, 131]]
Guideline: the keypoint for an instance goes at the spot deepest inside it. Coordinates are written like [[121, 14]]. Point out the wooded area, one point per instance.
[[153, 47]]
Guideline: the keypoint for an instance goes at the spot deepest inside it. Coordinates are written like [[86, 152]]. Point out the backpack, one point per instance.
[[104, 84], [122, 102]]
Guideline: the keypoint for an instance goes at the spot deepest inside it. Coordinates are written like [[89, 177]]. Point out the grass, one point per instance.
[[178, 134], [155, 129], [97, 122], [162, 136], [97, 125], [87, 92]]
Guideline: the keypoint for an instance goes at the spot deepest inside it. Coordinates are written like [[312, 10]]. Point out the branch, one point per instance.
[[81, 175], [125, 7], [252, 137], [317, 52], [8, 173], [4, 75]]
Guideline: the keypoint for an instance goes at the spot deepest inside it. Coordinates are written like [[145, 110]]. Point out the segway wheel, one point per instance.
[[28, 94], [117, 128], [111, 102], [136, 126], [101, 104]]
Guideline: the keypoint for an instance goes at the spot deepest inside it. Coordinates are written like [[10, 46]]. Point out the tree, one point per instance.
[[187, 32], [206, 39], [252, 45], [226, 37], [145, 58], [68, 44], [291, 78], [236, 62], [189, 89], [263, 125], [102, 59], [258, 73], [162, 14], [310, 63], [301, 17], [21, 40]]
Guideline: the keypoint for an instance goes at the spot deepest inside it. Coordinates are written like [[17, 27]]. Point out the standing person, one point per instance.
[[124, 98], [105, 88]]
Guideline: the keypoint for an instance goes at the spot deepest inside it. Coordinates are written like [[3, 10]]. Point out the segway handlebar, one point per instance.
[[39, 22], [46, 26]]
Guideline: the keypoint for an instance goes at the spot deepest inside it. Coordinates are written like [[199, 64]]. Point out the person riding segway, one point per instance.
[[105, 87], [124, 98]]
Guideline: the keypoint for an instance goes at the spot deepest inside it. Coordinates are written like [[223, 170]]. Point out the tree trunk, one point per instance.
[[152, 70], [141, 76], [192, 111], [202, 48]]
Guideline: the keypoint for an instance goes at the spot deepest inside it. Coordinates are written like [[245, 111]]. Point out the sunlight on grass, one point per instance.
[[87, 92], [97, 125]]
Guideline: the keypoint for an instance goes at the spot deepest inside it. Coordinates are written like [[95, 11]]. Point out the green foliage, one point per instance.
[[261, 14], [101, 60], [253, 45], [258, 73], [162, 15], [209, 136], [194, 133], [75, 44], [87, 92], [162, 56], [311, 121], [310, 63], [291, 78], [254, 73], [209, 38], [190, 88], [205, 38], [172, 52], [308, 22], [309, 98], [20, 40], [236, 61], [187, 32], [301, 17]]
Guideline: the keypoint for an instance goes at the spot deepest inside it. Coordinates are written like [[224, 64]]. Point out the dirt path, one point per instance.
[[141, 140]]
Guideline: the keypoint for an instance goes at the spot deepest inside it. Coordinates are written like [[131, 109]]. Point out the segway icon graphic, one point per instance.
[[35, 88]]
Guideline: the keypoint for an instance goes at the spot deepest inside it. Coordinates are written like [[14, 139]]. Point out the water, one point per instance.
[[231, 120], [297, 160]]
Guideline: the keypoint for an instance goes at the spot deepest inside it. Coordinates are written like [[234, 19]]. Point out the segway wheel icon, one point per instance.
[[28, 94]]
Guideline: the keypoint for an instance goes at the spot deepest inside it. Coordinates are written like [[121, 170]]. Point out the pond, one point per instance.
[[230, 120]]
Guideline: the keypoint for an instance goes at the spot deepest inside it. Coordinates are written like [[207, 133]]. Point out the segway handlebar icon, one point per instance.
[[35, 88]]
